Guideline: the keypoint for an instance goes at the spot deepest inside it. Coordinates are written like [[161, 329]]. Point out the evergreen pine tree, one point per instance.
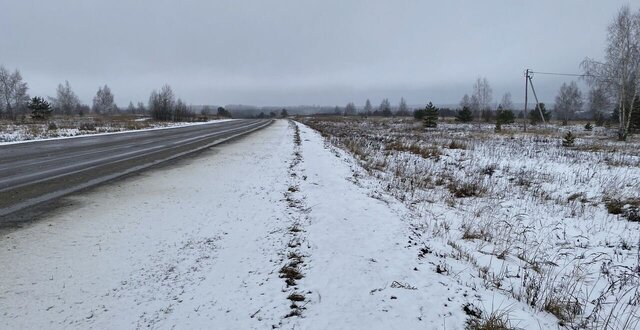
[[430, 118], [465, 115], [503, 117], [588, 127], [40, 109], [534, 115], [568, 140]]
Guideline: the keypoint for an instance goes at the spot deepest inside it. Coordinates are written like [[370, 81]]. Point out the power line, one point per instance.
[[569, 74]]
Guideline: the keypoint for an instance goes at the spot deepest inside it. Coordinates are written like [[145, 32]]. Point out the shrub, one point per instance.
[[565, 309], [87, 127], [466, 189], [632, 214], [588, 127], [493, 321], [456, 145], [614, 206]]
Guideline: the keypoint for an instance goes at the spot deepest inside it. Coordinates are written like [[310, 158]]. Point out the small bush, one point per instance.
[[414, 148], [481, 234], [588, 127], [456, 145], [87, 127], [614, 206], [489, 170], [493, 321], [566, 310], [466, 189], [632, 214], [52, 126]]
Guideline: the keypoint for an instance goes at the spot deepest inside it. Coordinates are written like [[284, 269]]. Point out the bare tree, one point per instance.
[[385, 108], [13, 93], [474, 105], [141, 109], [403, 109], [598, 103], [483, 95], [182, 112], [465, 102], [350, 109], [131, 108], [619, 73], [103, 101], [66, 101], [506, 103], [162, 103], [206, 110], [368, 108], [568, 101]]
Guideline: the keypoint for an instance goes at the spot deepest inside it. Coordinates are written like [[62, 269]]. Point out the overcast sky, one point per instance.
[[300, 52]]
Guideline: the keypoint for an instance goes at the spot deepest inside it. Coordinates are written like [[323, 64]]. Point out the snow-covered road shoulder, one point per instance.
[[19, 134]]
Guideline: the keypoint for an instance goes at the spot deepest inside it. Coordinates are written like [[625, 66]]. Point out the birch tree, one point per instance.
[[103, 101], [350, 109], [483, 95], [66, 101], [506, 103], [618, 74], [13, 93], [568, 101], [403, 109]]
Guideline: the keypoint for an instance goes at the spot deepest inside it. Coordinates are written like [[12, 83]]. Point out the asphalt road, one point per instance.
[[36, 172]]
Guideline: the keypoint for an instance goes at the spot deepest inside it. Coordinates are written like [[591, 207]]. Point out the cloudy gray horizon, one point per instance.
[[300, 52]]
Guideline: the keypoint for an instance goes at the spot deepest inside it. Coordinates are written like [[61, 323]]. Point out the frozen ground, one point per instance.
[[19, 133], [279, 229]]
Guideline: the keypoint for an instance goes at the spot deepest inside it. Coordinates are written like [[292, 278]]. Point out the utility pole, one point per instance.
[[526, 94]]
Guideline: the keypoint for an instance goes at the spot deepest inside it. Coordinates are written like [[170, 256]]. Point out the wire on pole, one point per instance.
[[569, 74]]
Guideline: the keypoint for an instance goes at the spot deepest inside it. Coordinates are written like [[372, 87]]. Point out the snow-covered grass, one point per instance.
[[517, 214], [64, 127]]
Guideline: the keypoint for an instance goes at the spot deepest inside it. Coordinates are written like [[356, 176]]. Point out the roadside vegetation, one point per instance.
[[26, 118]]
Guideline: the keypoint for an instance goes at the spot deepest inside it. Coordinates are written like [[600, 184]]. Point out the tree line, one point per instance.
[[163, 105]]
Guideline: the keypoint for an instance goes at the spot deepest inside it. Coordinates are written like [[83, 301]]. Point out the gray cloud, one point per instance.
[[299, 52]]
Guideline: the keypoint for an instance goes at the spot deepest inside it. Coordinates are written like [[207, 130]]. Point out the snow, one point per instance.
[[201, 243], [538, 230], [16, 134]]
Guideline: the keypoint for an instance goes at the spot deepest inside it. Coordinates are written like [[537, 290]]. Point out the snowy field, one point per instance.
[[377, 225], [64, 128], [516, 214]]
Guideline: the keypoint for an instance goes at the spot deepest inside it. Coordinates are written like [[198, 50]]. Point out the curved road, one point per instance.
[[35, 172]]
